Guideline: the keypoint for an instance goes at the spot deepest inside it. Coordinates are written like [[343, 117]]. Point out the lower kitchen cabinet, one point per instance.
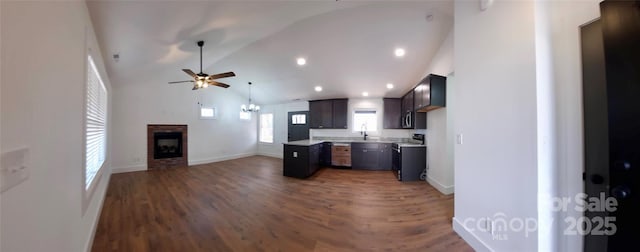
[[325, 154], [385, 157], [371, 156], [301, 161]]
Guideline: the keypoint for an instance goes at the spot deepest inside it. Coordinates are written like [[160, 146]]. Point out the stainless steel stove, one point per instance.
[[409, 158]]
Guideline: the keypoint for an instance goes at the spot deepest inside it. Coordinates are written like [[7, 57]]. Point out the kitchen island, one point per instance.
[[303, 158]]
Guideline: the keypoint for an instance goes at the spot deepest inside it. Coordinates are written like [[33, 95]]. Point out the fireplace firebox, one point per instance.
[[167, 145]]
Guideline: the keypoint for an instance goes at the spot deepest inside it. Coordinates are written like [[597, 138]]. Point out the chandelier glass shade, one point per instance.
[[252, 107]]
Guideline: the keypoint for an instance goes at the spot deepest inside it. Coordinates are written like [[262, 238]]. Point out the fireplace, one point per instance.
[[166, 146]]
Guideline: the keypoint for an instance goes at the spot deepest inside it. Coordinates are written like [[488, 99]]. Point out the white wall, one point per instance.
[[495, 95], [566, 18], [280, 124], [44, 49], [440, 134], [155, 102]]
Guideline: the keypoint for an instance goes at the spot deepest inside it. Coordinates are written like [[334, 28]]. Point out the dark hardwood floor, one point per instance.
[[247, 205]]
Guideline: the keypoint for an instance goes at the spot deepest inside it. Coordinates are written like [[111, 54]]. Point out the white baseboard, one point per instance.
[[439, 186], [218, 159], [94, 225], [143, 167], [275, 155], [470, 237], [132, 168]]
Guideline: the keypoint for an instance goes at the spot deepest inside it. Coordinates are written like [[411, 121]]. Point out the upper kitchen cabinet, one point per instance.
[[328, 114], [430, 94], [340, 113], [321, 114], [392, 118]]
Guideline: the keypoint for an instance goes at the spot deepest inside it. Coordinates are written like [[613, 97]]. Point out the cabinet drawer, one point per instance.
[[337, 150], [341, 161]]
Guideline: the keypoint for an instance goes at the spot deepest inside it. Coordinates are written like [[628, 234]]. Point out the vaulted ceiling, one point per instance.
[[349, 46]]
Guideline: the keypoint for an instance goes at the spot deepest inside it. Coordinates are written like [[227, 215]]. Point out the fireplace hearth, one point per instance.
[[166, 146]]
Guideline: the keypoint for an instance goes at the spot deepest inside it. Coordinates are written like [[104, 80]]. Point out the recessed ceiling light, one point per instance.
[[318, 88], [301, 61], [389, 85], [400, 52], [365, 94]]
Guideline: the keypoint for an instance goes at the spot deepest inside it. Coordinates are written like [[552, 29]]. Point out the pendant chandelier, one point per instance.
[[252, 107]]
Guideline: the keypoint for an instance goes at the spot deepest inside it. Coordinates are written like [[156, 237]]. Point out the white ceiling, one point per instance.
[[348, 45]]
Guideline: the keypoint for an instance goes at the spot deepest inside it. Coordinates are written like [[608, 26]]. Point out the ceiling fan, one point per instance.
[[203, 80]]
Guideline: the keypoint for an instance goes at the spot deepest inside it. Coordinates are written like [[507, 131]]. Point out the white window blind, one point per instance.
[[266, 128], [95, 124]]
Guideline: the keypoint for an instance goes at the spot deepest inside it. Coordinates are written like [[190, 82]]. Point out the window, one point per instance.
[[299, 119], [95, 124], [366, 120], [266, 128], [207, 113], [245, 115]]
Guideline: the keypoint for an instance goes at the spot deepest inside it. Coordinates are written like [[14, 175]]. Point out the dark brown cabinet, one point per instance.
[[430, 93], [392, 118], [340, 113], [371, 156], [418, 96], [385, 157], [328, 114], [301, 161], [321, 114]]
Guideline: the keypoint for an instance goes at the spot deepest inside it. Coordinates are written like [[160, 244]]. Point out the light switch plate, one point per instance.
[[459, 138], [14, 168]]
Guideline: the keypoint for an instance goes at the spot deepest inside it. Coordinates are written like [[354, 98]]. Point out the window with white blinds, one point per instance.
[[95, 124]]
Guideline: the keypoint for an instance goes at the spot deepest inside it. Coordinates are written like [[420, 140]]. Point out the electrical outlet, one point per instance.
[[14, 169], [459, 138]]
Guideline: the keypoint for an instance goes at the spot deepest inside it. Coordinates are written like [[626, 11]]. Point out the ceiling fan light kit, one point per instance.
[[203, 80], [252, 107]]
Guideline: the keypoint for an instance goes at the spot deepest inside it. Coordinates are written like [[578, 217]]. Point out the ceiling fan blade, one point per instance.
[[219, 84], [190, 73], [222, 75], [176, 82]]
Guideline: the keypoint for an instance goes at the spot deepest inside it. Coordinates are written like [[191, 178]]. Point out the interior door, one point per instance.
[[298, 126], [596, 139], [614, 171]]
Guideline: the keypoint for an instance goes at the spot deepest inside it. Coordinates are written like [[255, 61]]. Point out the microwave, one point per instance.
[[407, 120]]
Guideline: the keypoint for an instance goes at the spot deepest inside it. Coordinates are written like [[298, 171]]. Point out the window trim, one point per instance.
[[272, 128]]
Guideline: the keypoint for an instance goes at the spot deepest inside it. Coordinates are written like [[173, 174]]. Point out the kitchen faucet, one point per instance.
[[363, 131]]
